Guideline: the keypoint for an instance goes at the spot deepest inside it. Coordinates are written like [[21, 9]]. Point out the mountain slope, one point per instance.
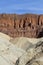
[[20, 50]]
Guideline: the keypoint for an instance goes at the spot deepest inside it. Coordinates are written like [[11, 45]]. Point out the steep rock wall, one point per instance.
[[26, 25]]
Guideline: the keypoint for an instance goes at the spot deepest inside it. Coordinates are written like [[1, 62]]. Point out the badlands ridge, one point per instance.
[[20, 50], [22, 25]]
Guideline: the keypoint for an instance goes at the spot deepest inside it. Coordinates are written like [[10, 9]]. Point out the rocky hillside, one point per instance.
[[21, 51], [26, 25]]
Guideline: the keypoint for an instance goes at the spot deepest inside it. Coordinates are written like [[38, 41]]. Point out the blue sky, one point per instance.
[[21, 6]]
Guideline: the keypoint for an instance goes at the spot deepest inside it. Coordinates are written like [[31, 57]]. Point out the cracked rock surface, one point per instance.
[[20, 50]]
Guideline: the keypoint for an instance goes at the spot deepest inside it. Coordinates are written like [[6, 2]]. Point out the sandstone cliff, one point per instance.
[[26, 25]]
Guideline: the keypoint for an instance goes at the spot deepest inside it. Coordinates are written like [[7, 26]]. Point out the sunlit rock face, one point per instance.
[[26, 25], [20, 50]]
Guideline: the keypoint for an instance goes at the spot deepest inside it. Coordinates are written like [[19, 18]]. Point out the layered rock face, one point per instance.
[[27, 25]]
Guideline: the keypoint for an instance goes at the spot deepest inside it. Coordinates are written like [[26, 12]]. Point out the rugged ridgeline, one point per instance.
[[27, 25]]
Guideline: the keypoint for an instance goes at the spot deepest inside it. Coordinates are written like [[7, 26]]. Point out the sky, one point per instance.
[[21, 6]]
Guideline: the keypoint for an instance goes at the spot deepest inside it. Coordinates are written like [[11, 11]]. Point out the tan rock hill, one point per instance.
[[21, 50], [26, 25]]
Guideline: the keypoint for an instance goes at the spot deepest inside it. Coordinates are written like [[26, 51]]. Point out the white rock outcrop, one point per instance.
[[20, 51]]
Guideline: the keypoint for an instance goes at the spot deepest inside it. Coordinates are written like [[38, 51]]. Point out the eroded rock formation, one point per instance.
[[21, 50], [27, 25]]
